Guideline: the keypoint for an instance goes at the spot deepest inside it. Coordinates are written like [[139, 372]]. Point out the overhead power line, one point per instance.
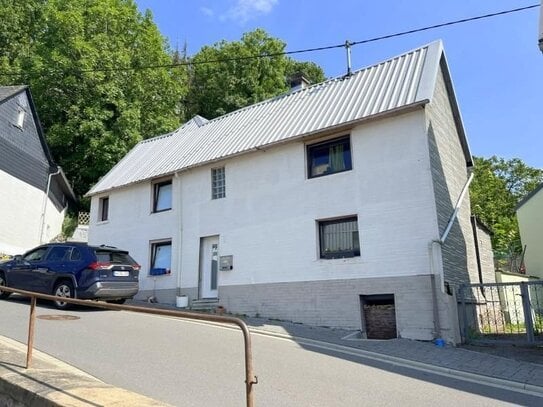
[[271, 55]]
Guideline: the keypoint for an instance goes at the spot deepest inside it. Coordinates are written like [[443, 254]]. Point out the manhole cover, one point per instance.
[[58, 317]]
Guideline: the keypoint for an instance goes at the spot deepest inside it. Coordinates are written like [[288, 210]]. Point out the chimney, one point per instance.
[[298, 82]]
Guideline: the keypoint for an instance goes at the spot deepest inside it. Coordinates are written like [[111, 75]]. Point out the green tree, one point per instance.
[[92, 112], [497, 187], [241, 80]]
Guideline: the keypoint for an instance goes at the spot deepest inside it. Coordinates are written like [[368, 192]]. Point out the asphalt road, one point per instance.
[[194, 364]]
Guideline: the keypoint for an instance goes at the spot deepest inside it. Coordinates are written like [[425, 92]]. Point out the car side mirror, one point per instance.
[[18, 258]]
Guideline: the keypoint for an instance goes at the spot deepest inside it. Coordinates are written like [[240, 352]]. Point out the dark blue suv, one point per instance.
[[73, 270]]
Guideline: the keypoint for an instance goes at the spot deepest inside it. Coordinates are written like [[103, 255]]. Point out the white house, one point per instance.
[[326, 206], [530, 222], [34, 190]]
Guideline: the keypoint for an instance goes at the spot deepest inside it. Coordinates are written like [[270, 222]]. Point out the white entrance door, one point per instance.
[[209, 266]]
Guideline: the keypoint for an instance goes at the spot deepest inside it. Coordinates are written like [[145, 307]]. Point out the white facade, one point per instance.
[[268, 219], [530, 222], [37, 219]]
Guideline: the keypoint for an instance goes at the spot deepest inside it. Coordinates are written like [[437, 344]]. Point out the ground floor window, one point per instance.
[[339, 238], [161, 258]]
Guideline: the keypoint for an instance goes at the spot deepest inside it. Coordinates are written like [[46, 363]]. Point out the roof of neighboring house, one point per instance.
[[6, 92], [392, 86], [529, 196]]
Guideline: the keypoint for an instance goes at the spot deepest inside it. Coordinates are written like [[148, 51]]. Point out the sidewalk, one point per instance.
[[50, 382]]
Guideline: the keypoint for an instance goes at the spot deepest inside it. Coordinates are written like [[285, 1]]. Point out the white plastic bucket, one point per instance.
[[181, 301]]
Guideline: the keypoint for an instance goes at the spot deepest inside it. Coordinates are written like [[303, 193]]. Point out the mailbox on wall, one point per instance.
[[226, 263]]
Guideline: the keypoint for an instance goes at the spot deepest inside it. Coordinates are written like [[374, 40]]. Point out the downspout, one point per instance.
[[435, 254], [443, 238], [44, 205], [179, 229]]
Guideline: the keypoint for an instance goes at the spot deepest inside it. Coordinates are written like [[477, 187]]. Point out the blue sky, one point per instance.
[[496, 65]]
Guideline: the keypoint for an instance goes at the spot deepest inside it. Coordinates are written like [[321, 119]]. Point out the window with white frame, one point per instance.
[[338, 238], [218, 183], [162, 196], [161, 258], [329, 157], [103, 209]]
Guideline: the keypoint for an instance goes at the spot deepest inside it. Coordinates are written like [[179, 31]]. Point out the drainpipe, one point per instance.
[[436, 266], [179, 231], [44, 205], [439, 243]]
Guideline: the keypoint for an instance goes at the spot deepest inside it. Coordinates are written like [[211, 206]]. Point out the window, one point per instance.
[[161, 258], [218, 184], [57, 253], [339, 238], [36, 255], [76, 254], [20, 118], [162, 196], [329, 157], [103, 209]]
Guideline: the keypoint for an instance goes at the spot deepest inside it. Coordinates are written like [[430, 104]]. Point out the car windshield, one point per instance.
[[106, 256]]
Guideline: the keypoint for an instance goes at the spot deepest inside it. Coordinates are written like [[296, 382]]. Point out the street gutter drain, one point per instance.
[[58, 317]]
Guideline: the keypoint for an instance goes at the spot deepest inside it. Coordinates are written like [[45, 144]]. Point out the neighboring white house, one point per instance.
[[530, 223], [34, 190], [323, 206]]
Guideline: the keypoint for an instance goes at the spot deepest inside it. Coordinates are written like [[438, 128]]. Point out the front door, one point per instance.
[[209, 266]]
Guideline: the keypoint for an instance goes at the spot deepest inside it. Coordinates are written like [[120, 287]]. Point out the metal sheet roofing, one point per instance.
[[388, 86]]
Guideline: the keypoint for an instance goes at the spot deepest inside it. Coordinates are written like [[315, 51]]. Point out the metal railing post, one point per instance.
[[527, 308], [31, 323], [461, 293]]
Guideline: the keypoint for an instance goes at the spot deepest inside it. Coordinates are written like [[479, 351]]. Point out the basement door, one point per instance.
[[209, 266]]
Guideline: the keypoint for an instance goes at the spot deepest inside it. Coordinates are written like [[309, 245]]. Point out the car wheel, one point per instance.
[[63, 289], [3, 294]]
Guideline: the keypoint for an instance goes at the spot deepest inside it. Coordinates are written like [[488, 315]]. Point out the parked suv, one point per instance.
[[73, 270]]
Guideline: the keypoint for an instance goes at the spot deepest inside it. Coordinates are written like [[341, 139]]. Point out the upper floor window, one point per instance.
[[339, 238], [329, 157], [218, 184], [162, 196], [103, 209]]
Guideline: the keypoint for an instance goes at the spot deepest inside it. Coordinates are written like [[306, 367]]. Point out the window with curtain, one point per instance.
[[162, 196], [339, 238], [329, 157], [161, 258]]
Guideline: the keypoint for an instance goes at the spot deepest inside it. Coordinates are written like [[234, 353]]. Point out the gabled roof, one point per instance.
[[400, 83], [529, 196], [6, 92]]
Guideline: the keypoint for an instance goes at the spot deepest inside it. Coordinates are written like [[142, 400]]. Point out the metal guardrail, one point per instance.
[[250, 378]]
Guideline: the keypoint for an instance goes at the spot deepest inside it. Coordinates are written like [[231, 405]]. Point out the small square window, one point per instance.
[[338, 238], [218, 183], [103, 214], [161, 258], [162, 196], [329, 157]]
